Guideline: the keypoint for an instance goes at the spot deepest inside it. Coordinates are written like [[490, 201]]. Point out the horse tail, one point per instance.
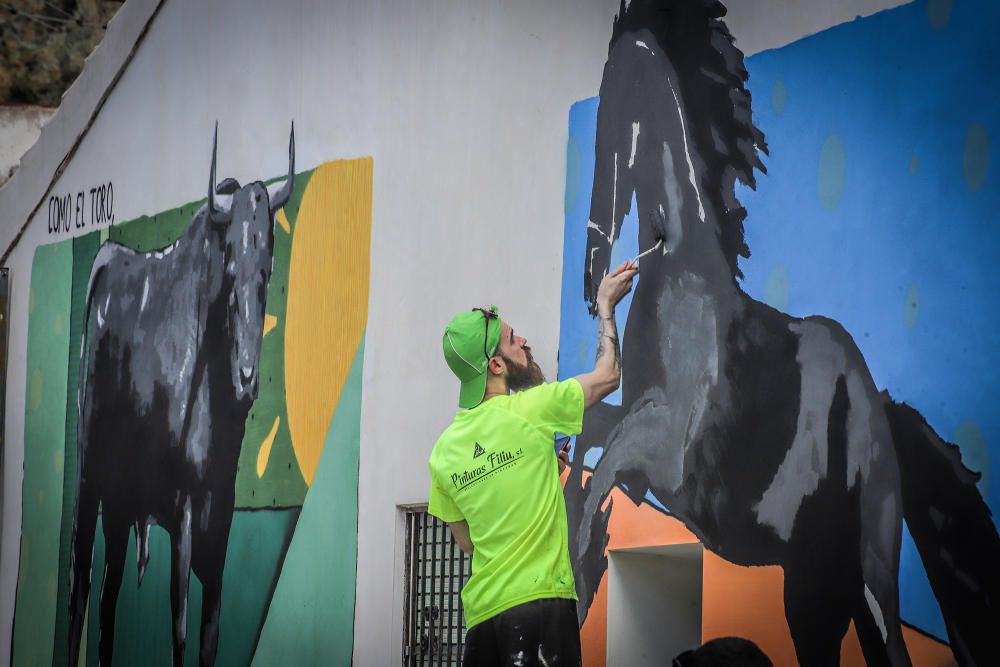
[[954, 532]]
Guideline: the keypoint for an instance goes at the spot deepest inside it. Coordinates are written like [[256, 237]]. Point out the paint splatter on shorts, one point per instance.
[[541, 633]]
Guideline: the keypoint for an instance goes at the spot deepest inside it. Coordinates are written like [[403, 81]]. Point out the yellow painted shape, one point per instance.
[[327, 300], [265, 448], [282, 220], [270, 321]]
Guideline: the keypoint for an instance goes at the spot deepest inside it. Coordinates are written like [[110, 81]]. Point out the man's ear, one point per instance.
[[497, 365]]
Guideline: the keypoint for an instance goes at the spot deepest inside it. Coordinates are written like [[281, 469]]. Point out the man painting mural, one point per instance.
[[495, 482]]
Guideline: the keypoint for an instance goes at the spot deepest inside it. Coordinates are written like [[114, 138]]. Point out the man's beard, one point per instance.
[[521, 377]]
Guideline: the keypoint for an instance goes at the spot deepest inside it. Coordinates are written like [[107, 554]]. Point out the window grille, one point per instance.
[[435, 570]]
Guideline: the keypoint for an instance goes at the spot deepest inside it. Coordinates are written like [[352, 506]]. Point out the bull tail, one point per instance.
[[95, 274], [954, 532], [142, 547]]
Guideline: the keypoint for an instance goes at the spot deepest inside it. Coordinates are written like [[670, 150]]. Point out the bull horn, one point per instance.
[[282, 195], [214, 213]]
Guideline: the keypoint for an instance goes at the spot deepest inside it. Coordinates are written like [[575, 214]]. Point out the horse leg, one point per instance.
[[877, 609], [874, 485], [591, 539], [598, 422], [115, 548], [620, 462], [822, 569], [817, 608], [180, 573], [869, 629], [84, 527], [876, 614]]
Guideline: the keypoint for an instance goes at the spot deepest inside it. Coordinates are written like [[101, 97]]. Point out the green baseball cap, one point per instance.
[[470, 340]]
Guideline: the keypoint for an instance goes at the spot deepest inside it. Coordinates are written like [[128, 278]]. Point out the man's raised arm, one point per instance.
[[607, 373]]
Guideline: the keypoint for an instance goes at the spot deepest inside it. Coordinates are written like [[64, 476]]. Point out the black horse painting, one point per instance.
[[169, 371], [764, 433]]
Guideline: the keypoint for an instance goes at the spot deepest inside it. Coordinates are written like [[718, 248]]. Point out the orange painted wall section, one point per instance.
[[745, 602], [736, 601]]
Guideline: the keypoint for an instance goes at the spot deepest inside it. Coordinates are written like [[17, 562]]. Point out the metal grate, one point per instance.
[[436, 569]]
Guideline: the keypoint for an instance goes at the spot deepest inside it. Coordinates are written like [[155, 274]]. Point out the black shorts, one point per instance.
[[541, 633]]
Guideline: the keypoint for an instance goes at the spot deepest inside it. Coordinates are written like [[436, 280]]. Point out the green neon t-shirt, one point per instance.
[[495, 467]]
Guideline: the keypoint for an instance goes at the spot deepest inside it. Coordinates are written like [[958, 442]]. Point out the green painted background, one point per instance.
[[44, 433], [311, 619]]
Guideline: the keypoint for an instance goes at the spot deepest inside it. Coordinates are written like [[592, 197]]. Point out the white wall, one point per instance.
[[462, 104], [487, 228]]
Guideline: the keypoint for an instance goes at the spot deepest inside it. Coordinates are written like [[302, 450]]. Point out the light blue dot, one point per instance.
[[776, 291], [939, 13], [831, 173], [976, 156], [911, 307], [573, 169], [779, 95], [975, 454]]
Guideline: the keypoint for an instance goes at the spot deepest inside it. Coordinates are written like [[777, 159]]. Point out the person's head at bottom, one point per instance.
[[724, 652]]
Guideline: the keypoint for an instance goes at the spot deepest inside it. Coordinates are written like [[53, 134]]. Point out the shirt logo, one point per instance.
[[479, 451], [495, 462]]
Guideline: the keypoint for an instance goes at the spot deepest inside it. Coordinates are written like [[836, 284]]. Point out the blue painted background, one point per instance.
[[880, 209]]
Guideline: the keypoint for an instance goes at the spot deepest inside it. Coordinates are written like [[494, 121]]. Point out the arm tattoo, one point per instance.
[[607, 340]]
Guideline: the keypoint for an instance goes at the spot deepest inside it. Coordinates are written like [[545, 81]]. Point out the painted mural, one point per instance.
[[789, 411], [178, 504]]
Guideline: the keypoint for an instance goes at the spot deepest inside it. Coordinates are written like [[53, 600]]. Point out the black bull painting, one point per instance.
[[764, 433], [169, 371]]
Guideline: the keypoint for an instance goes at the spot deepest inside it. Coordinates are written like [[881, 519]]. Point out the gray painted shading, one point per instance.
[[764, 433], [169, 371]]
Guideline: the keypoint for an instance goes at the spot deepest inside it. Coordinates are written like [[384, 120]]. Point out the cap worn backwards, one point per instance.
[[470, 340]]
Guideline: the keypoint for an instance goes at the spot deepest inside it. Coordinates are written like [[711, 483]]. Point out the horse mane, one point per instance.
[[712, 79]]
